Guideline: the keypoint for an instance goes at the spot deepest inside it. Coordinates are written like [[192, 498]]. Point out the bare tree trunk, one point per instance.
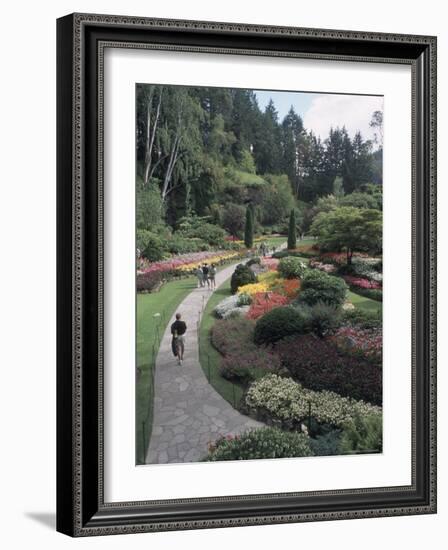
[[151, 134], [174, 156]]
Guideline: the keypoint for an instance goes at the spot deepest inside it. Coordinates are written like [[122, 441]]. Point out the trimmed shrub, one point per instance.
[[260, 443], [362, 434], [280, 322], [274, 398], [242, 275], [292, 237], [291, 268], [317, 286], [319, 364], [148, 282], [254, 261], [324, 318], [184, 245], [249, 229], [363, 319]]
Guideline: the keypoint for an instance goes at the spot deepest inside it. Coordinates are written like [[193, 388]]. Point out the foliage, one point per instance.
[[154, 249], [242, 275], [233, 219], [245, 365], [149, 208], [249, 229], [147, 282], [362, 200], [292, 237], [317, 286], [282, 399], [324, 318], [319, 364], [280, 322], [363, 319], [366, 343], [291, 268], [263, 302], [326, 444], [231, 335], [184, 245], [254, 261], [196, 227], [260, 443], [360, 282], [355, 229], [225, 306], [362, 434]]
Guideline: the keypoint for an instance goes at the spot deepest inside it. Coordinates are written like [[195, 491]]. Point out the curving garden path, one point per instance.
[[188, 412]]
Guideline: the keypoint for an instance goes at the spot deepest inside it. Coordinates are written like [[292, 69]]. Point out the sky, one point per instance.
[[320, 112]]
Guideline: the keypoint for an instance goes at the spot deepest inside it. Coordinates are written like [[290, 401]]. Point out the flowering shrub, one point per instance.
[[362, 434], [269, 278], [327, 268], [270, 264], [286, 401], [244, 300], [239, 311], [291, 268], [260, 443], [319, 364], [246, 364], [147, 282], [262, 302], [289, 287], [357, 341], [233, 335], [226, 305], [360, 282]]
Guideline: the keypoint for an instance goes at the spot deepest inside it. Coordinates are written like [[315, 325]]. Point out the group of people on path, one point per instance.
[[206, 276]]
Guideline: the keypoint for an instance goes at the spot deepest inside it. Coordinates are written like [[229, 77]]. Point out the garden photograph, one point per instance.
[[259, 274]]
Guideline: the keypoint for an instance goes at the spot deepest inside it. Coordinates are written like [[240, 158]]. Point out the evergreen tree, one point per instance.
[[292, 238], [249, 229]]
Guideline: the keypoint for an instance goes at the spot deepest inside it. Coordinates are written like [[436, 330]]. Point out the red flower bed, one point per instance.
[[319, 364], [356, 341], [361, 282], [262, 302]]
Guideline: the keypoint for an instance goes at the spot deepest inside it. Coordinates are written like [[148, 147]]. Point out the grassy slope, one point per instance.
[[149, 327]]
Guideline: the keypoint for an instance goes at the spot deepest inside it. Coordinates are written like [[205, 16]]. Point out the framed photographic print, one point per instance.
[[246, 274]]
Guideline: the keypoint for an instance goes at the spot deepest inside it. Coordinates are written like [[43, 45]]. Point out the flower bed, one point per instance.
[[321, 266], [262, 302], [260, 443], [186, 263], [281, 399], [357, 341], [361, 282], [270, 264], [328, 364]]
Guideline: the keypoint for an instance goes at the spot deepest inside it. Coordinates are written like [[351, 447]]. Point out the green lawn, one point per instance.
[[208, 356], [366, 304], [149, 331]]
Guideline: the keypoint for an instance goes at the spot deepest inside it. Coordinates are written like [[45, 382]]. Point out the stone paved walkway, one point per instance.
[[188, 412]]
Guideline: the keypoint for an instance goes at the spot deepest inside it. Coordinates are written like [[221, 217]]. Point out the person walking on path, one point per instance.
[[200, 277], [205, 271], [212, 276], [178, 330]]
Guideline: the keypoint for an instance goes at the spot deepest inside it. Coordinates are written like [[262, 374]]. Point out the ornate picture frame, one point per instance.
[[81, 507]]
